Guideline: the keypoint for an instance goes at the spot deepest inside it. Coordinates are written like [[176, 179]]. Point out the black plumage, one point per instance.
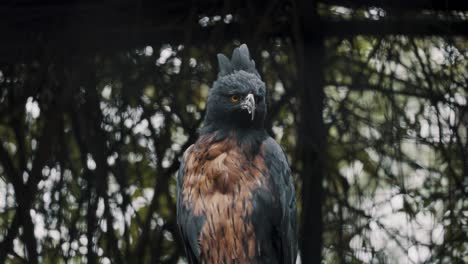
[[235, 196]]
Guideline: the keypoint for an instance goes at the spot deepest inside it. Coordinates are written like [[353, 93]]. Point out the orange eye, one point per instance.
[[234, 98]]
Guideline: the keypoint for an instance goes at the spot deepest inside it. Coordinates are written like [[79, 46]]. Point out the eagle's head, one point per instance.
[[237, 98]]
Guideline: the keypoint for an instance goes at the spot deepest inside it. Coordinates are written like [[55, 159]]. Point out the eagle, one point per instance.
[[236, 201]]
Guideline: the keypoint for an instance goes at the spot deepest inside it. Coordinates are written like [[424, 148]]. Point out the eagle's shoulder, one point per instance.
[[182, 161], [276, 161]]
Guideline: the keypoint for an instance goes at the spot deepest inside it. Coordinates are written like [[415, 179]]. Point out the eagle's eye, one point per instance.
[[234, 98]]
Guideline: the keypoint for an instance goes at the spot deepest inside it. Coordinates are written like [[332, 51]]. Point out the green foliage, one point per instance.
[[395, 152], [90, 146]]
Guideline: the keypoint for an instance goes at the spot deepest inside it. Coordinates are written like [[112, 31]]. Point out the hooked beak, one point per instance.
[[249, 104]]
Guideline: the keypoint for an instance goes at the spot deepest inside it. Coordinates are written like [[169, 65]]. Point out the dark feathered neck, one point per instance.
[[211, 126], [249, 139]]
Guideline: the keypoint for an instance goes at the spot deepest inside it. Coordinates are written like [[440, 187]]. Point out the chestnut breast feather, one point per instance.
[[219, 183]]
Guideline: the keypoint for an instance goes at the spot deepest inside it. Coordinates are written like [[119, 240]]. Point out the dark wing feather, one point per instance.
[[280, 174], [189, 224]]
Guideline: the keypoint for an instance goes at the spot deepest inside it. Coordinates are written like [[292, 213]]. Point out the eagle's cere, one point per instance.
[[236, 200]]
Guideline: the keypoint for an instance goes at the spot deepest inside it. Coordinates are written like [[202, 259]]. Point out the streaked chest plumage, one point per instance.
[[220, 179]]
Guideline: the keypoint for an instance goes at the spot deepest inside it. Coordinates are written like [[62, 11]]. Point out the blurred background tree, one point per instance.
[[99, 99]]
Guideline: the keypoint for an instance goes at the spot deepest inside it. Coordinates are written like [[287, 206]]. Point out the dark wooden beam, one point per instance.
[[27, 29], [312, 132], [435, 5]]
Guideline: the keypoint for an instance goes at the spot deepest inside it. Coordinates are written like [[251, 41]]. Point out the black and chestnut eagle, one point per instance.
[[236, 201]]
